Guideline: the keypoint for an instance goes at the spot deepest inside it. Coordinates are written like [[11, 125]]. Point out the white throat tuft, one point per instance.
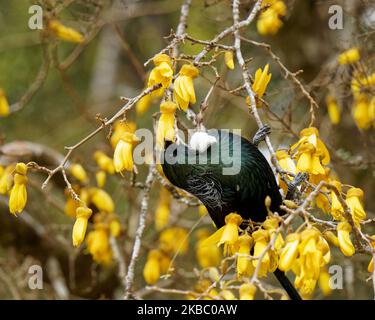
[[201, 141]]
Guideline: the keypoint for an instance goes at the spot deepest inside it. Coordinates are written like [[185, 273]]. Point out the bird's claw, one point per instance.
[[297, 181], [261, 134]]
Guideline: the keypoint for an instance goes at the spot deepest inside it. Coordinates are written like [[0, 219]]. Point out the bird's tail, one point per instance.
[[287, 285]]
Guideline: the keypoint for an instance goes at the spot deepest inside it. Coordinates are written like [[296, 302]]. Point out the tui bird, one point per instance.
[[227, 173]]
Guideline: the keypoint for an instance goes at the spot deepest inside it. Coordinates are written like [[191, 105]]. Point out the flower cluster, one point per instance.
[[269, 21]]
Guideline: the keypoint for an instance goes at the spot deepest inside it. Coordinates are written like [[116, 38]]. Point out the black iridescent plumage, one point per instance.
[[243, 192]]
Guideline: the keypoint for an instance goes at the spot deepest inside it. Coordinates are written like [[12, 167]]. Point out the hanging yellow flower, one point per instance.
[[349, 56], [100, 178], [247, 291], [79, 229], [333, 109], [183, 87], [207, 255], [104, 162], [228, 58], [245, 267], [119, 129], [343, 234], [151, 270], [163, 210], [324, 282], [363, 113], [18, 193], [337, 210], [4, 105], [78, 172], [269, 21], [308, 160], [261, 81], [102, 200], [98, 244], [311, 135], [330, 237], [123, 155], [354, 200], [165, 130], [6, 179], [174, 240], [271, 224], [143, 104], [65, 33], [161, 74], [289, 253], [269, 259]]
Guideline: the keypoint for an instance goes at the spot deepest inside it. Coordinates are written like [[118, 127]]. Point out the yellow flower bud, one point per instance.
[[100, 177], [79, 173], [79, 229], [104, 162], [65, 33], [98, 244], [324, 284], [143, 104], [228, 58], [4, 105], [151, 270], [115, 228], [183, 88], [343, 234], [333, 109], [102, 200], [174, 240], [247, 291], [349, 56]]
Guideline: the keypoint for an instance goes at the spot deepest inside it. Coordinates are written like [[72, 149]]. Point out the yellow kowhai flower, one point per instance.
[[244, 266], [247, 291], [269, 22], [337, 210], [261, 81], [102, 200], [271, 224], [65, 33], [330, 237], [174, 240], [120, 128], [6, 179], [151, 270], [18, 193], [269, 260], [71, 205], [4, 105], [78, 172], [165, 130], [286, 163], [162, 73], [364, 112], [123, 155], [104, 162], [114, 227], [183, 87], [207, 255], [80, 226], [98, 244], [333, 109], [354, 200], [163, 209], [228, 58], [289, 253], [101, 178], [143, 104], [343, 235], [308, 160], [349, 56], [311, 135]]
